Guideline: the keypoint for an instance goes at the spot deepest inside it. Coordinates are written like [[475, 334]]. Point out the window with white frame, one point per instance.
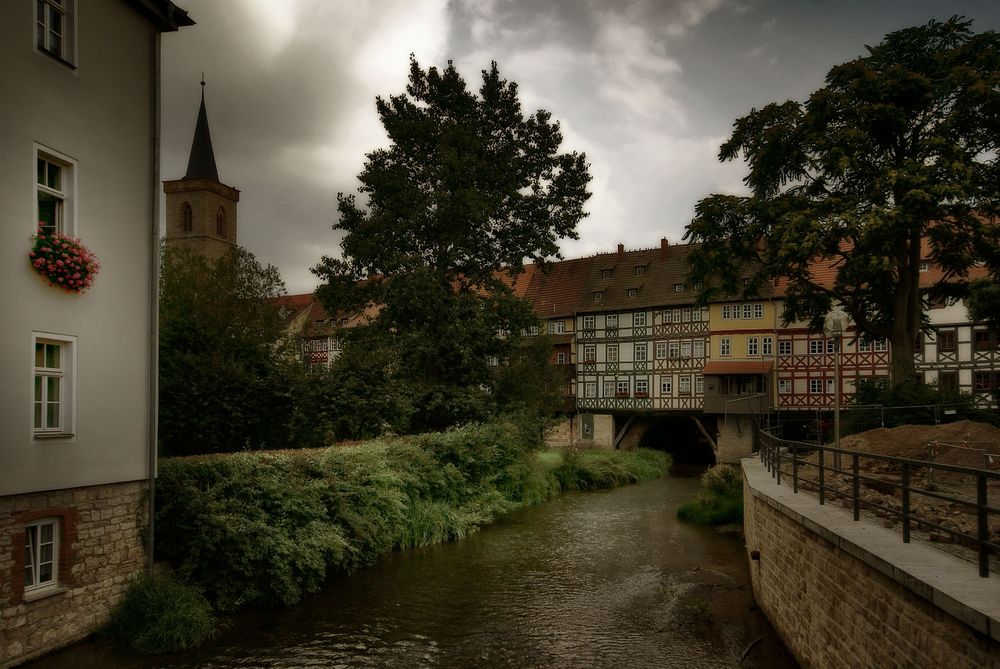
[[686, 349], [758, 311], [666, 385], [815, 386], [727, 312], [767, 345], [881, 345], [704, 313], [41, 555], [589, 353], [641, 388], [661, 350], [815, 346], [684, 384], [640, 270], [52, 405], [725, 346], [677, 315], [753, 346], [611, 321], [829, 386], [784, 386], [590, 389], [533, 331], [678, 287], [557, 327], [492, 361], [612, 352], [621, 388], [686, 315], [784, 347], [598, 295], [668, 316], [699, 384], [925, 266], [747, 311], [605, 274], [55, 28], [54, 192], [699, 348], [561, 358], [674, 349], [640, 353], [639, 319], [831, 346], [632, 292], [609, 389], [589, 322]]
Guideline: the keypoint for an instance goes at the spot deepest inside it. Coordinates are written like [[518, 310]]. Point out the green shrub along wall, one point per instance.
[[268, 526]]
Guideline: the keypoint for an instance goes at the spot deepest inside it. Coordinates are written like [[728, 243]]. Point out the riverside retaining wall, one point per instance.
[[850, 594]]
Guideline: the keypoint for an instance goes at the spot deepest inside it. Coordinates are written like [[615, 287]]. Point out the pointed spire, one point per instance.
[[201, 164]]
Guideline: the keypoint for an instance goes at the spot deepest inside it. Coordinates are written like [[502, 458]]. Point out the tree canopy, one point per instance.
[[467, 191], [891, 164], [228, 380]]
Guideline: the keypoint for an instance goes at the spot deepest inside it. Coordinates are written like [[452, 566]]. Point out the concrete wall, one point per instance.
[[100, 549], [736, 434], [99, 115], [851, 594]]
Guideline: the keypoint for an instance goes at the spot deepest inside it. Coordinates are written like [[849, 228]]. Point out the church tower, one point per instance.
[[201, 210]]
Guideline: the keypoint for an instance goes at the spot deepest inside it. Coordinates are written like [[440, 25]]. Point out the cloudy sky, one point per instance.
[[648, 89]]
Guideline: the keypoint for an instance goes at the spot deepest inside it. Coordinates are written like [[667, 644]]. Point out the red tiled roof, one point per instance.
[[719, 367]]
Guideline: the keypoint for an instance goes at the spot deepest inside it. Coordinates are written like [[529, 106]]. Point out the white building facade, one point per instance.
[[78, 128]]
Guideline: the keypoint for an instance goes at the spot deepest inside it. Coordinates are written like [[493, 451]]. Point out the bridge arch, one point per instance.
[[680, 437]]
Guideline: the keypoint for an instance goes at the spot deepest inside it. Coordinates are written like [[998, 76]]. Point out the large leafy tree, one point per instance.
[[228, 380], [468, 189], [891, 163]]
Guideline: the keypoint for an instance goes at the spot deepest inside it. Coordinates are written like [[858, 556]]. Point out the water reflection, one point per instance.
[[607, 579]]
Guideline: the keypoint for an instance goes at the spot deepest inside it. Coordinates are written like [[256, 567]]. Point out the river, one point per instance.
[[598, 579]]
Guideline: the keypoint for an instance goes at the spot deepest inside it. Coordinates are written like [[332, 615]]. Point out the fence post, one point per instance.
[[795, 470], [777, 463], [822, 488], [981, 504], [906, 502], [856, 487]]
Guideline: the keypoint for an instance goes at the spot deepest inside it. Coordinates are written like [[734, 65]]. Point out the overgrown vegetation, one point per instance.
[[269, 526], [159, 614], [722, 501]]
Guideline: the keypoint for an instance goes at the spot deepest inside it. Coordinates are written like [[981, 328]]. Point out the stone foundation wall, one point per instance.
[[735, 440], [834, 610], [563, 433], [101, 532]]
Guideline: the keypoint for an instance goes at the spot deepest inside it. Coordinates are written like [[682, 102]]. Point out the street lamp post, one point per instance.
[[833, 327]]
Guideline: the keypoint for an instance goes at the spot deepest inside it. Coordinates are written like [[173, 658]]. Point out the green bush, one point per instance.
[[722, 501], [159, 614], [270, 526]]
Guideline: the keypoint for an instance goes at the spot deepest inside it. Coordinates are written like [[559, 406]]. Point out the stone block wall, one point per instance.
[[834, 610], [735, 438], [563, 433], [100, 549]]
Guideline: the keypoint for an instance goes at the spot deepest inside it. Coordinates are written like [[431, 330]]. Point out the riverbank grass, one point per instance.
[[722, 501], [159, 614], [262, 527]]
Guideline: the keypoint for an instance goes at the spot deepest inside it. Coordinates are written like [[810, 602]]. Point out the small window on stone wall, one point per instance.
[[220, 222], [187, 218]]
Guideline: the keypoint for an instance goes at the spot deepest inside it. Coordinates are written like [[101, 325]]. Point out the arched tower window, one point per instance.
[[220, 222], [187, 219]]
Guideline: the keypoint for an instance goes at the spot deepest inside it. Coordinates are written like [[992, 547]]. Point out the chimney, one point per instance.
[[621, 251], [664, 245]]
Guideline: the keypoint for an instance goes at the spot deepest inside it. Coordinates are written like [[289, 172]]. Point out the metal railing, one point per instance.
[[784, 458]]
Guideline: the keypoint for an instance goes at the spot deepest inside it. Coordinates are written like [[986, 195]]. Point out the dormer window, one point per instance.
[[678, 287], [925, 266], [598, 295], [640, 270], [605, 274], [632, 292]]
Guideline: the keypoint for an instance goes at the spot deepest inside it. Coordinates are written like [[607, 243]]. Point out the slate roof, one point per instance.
[[201, 162]]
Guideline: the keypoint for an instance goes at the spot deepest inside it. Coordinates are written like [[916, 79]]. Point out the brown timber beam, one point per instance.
[[715, 447]]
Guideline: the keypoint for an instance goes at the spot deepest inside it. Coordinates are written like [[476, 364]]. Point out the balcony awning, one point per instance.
[[724, 367]]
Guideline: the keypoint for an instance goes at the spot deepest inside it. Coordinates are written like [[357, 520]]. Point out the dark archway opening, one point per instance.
[[680, 437]]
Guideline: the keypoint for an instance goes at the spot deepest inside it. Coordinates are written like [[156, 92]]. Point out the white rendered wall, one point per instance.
[[100, 115]]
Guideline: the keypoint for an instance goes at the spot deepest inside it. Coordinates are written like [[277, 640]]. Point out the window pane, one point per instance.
[[52, 415], [46, 552], [48, 212], [52, 388], [38, 388], [38, 415], [54, 180], [44, 572], [46, 533], [52, 356]]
